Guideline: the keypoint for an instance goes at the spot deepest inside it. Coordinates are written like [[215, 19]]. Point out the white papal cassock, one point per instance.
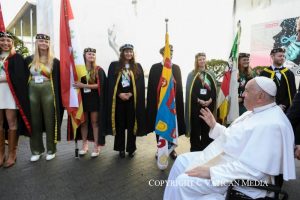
[[258, 145]]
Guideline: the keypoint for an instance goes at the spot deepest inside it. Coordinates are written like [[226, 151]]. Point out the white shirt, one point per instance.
[[277, 72]]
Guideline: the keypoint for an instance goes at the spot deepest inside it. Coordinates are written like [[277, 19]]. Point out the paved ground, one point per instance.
[[106, 177]]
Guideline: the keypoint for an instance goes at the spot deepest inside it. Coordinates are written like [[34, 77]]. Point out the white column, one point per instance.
[[21, 28]]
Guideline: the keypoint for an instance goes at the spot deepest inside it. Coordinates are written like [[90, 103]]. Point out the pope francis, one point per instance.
[[256, 146]]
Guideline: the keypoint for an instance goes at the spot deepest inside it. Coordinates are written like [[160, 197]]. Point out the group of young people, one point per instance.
[[31, 101]]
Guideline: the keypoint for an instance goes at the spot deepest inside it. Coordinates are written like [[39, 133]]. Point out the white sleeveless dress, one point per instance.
[[6, 98]]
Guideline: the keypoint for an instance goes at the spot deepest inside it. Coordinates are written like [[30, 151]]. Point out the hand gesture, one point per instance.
[[208, 117]]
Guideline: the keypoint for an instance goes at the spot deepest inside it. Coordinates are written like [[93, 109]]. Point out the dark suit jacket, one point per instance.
[[294, 116]]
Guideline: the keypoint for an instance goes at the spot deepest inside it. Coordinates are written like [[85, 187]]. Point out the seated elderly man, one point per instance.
[[257, 146]]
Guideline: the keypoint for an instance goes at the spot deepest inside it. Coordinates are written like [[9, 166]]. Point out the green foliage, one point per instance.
[[217, 66], [256, 70], [19, 46]]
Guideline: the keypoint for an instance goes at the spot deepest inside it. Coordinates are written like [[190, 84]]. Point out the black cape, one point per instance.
[[55, 81], [138, 86], [18, 83], [17, 80], [286, 90], [152, 97], [102, 119], [190, 83]]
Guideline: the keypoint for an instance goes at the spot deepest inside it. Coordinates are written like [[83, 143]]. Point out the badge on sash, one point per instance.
[[203, 91], [125, 79], [125, 83], [86, 90], [38, 79]]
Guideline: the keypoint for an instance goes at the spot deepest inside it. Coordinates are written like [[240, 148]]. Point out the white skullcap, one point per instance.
[[267, 85]]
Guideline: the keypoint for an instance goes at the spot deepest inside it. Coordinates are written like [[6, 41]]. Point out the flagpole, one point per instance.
[[76, 148], [166, 20]]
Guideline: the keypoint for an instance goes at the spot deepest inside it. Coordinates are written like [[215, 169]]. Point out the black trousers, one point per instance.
[[125, 117], [199, 134]]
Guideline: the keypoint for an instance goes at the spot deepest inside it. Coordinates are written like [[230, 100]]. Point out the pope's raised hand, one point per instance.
[[208, 117]]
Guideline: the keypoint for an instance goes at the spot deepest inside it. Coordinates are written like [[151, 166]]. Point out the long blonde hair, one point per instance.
[[93, 70], [36, 57]]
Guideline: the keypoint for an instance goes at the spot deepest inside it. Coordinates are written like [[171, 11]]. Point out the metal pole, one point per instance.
[[31, 29], [166, 20], [76, 149]]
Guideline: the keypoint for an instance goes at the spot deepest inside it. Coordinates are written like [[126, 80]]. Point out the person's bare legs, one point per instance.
[[84, 133], [94, 122]]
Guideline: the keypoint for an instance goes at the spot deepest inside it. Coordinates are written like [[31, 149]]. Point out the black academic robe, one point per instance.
[[16, 75], [293, 115], [102, 119], [152, 97], [139, 98], [192, 107], [242, 81], [286, 88], [55, 81]]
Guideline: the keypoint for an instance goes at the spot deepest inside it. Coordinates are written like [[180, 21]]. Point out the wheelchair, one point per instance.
[[279, 194]]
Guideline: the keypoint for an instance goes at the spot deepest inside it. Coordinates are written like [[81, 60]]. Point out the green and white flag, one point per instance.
[[233, 87]]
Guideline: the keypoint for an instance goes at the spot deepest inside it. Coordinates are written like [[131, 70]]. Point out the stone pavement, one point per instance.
[[106, 177]]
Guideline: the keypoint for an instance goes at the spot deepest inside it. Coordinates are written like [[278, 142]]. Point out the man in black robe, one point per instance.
[[283, 78], [152, 97], [293, 115]]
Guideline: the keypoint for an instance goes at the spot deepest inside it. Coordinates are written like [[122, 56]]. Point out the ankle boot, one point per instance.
[[12, 148], [2, 147]]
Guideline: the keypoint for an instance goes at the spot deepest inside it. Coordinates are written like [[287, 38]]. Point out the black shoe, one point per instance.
[[131, 155], [173, 155], [156, 155], [122, 154]]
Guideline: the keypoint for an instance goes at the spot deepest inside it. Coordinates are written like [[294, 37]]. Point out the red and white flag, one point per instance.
[[72, 66], [2, 26]]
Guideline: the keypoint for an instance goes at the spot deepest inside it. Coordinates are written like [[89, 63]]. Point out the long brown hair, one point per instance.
[[245, 70], [133, 65]]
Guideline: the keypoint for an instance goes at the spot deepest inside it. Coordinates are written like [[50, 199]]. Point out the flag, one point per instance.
[[44, 18], [2, 26], [166, 121], [72, 66], [228, 104]]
